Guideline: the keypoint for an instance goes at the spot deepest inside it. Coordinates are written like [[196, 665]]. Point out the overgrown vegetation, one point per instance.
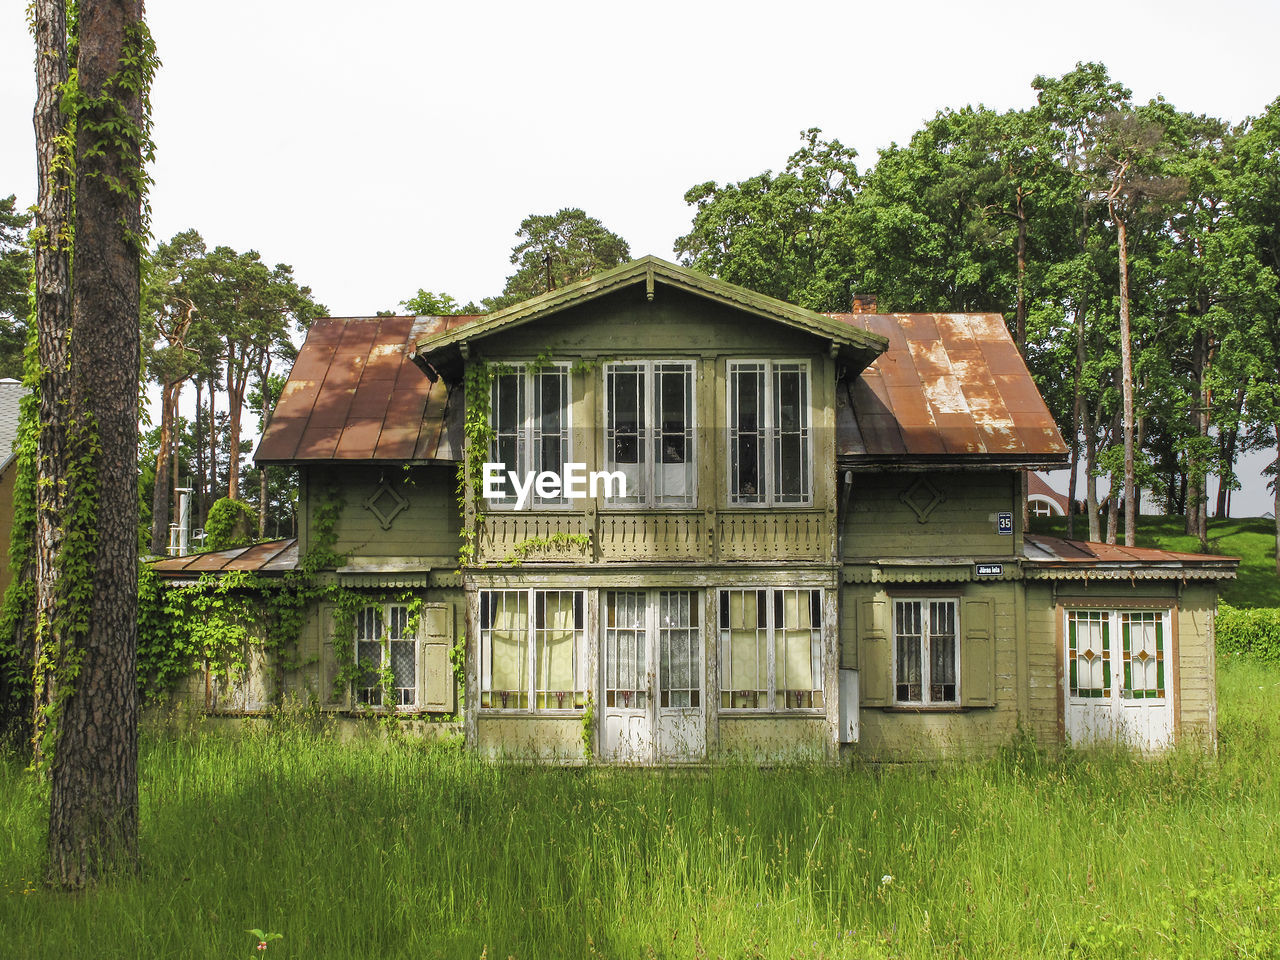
[[1252, 633], [1087, 855]]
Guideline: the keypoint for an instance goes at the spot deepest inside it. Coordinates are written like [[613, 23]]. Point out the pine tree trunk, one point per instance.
[[1227, 456], [213, 445], [53, 329], [1090, 478], [93, 803], [1126, 373], [1077, 415], [1020, 312]]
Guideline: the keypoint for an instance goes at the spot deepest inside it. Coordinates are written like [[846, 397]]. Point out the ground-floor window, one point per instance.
[[771, 649], [532, 650], [1138, 663], [926, 651], [385, 645], [630, 618]]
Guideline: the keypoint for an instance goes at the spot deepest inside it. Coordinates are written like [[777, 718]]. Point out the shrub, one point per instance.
[[230, 524], [1254, 633]]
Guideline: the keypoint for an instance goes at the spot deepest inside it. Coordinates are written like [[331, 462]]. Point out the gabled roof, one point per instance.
[[438, 350], [354, 395], [950, 390]]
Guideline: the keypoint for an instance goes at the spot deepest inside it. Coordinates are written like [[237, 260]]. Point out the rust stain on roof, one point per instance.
[[354, 394], [950, 384], [1055, 550], [272, 557]]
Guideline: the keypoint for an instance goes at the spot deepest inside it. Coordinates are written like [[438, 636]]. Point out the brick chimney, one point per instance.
[[864, 303]]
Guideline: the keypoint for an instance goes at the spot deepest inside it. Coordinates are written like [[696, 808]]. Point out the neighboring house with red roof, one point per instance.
[[819, 551], [1043, 500]]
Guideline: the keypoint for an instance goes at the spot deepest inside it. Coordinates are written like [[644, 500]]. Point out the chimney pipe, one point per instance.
[[864, 303]]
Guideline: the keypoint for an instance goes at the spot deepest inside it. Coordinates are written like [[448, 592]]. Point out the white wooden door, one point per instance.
[[1116, 678], [626, 687], [652, 676]]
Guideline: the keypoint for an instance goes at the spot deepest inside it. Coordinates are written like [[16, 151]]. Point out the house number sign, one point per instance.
[[1004, 524]]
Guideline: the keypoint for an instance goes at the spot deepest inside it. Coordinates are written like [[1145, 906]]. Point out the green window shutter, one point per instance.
[[435, 627], [875, 662], [977, 655]]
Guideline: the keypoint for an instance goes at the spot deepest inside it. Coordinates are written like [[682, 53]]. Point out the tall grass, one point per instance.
[[384, 848]]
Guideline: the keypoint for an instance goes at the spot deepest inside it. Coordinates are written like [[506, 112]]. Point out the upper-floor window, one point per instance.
[[649, 431], [530, 419], [770, 446]]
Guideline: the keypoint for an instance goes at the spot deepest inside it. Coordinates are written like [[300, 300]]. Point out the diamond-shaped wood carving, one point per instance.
[[922, 497], [386, 504]]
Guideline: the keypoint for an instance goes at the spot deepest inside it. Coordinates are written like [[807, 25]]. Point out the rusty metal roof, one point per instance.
[[951, 388], [354, 395], [272, 557], [1055, 558]]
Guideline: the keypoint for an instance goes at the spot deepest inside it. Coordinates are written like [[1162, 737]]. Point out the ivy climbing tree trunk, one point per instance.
[[53, 328], [93, 804]]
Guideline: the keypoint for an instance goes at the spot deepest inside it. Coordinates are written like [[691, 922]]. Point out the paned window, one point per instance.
[[1091, 653], [770, 447], [771, 649], [649, 431], [529, 414], [532, 650], [630, 618], [926, 651], [383, 642]]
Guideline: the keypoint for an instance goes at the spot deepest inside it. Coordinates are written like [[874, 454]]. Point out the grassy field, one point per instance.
[[1251, 539], [392, 849]]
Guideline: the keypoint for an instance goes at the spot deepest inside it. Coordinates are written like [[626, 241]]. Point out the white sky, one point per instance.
[[385, 146]]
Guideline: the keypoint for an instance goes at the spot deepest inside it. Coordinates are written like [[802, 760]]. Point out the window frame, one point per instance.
[[655, 634], [384, 610], [651, 432], [768, 433], [527, 697], [1116, 646], [926, 635], [818, 646], [527, 433]]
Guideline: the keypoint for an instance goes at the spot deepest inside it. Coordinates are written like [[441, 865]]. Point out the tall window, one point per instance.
[[530, 419], [631, 618], [927, 653], [532, 650], [383, 642], [771, 649], [770, 447], [649, 431]]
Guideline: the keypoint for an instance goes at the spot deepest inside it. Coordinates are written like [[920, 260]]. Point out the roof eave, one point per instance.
[[956, 461], [858, 347]]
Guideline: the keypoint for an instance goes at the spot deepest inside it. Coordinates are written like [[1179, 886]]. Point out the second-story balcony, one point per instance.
[[657, 536]]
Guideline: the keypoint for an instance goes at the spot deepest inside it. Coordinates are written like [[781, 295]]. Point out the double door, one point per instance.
[[653, 707], [1118, 683]]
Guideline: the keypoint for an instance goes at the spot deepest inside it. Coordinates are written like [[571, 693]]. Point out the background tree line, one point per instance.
[[1132, 248]]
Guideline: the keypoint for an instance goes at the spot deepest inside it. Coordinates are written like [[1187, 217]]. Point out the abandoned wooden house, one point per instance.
[[806, 539]]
